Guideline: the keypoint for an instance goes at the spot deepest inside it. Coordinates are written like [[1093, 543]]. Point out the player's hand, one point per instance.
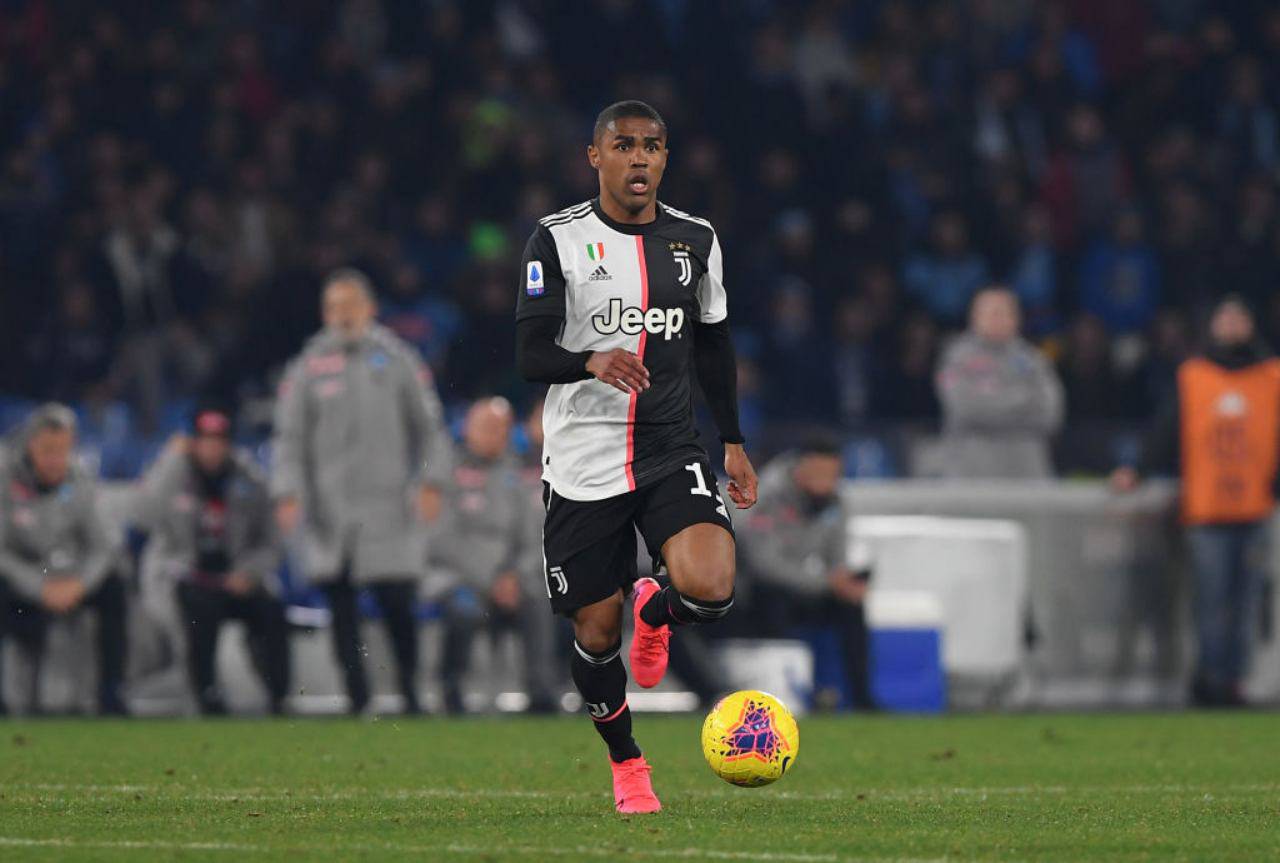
[[430, 504], [620, 369], [288, 513], [1124, 479], [505, 592], [60, 595], [742, 476]]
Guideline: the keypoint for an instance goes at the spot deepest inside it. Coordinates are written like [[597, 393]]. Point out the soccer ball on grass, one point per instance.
[[750, 738]]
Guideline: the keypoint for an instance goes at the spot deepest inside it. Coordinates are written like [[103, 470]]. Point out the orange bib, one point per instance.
[[1230, 440]]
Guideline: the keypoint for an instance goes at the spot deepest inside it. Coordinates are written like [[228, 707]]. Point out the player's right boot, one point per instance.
[[650, 645], [632, 789]]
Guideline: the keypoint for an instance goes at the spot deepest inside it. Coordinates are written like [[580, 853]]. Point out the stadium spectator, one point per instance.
[[1221, 435], [1120, 276], [488, 542], [794, 552], [361, 454], [1001, 399], [211, 547], [945, 279], [56, 555]]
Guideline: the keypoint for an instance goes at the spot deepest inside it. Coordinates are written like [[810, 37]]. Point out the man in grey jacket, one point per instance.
[[488, 541], [797, 556], [56, 554], [361, 452], [1001, 399], [208, 513]]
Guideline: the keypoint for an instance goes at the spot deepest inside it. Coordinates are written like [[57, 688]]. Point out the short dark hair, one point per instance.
[[627, 108], [821, 443]]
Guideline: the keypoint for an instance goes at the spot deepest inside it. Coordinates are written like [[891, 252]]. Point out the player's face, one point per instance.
[[348, 311], [50, 453], [210, 452], [630, 156]]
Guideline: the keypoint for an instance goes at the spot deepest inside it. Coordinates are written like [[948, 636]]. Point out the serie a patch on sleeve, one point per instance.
[[533, 283]]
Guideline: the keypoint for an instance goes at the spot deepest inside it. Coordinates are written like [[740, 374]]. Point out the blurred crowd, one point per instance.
[[178, 177]]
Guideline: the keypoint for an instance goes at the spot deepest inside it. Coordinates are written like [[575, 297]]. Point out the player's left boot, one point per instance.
[[632, 789], [650, 645]]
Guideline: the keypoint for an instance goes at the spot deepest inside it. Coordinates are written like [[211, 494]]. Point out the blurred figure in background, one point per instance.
[[795, 552], [361, 453], [208, 513], [55, 552], [1221, 435], [488, 539], [1001, 399]]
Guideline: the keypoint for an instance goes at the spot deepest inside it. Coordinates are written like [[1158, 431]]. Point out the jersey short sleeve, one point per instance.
[[542, 290], [712, 302]]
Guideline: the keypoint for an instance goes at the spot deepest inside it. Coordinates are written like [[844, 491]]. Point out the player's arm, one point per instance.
[[540, 310], [716, 366]]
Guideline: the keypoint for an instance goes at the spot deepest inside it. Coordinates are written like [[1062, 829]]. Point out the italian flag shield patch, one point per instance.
[[595, 251]]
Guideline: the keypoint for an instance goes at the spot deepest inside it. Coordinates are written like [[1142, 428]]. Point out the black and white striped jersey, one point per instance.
[[614, 285]]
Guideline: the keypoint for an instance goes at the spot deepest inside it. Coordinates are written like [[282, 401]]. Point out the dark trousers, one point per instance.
[[779, 612], [1229, 566], [397, 598], [204, 608], [29, 623], [465, 615]]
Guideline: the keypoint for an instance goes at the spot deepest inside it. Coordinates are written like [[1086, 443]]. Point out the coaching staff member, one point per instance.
[[208, 513], [56, 554], [360, 455]]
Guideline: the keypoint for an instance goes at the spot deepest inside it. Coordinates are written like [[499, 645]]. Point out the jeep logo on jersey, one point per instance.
[[631, 320]]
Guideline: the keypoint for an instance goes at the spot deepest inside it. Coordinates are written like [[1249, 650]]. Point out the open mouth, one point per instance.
[[638, 183]]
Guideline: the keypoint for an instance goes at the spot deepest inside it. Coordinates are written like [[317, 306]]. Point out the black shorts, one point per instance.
[[589, 546]]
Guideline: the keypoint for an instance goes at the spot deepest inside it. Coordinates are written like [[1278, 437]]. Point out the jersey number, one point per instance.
[[700, 487]]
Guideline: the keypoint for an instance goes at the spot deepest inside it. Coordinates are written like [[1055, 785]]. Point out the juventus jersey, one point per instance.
[[614, 285]]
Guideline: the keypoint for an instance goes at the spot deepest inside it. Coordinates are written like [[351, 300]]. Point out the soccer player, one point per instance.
[[619, 297]]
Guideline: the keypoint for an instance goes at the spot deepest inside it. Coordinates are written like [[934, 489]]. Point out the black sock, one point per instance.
[[602, 680], [671, 608]]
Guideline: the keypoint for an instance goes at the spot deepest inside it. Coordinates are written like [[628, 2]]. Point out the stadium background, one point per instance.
[[178, 177]]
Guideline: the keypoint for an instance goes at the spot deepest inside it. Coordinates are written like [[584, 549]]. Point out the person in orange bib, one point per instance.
[[1222, 436]]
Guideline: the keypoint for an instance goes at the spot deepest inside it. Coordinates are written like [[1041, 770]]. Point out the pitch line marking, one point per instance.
[[870, 794], [534, 851]]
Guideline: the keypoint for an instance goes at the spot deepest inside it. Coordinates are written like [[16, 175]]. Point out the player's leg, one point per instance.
[[590, 550], [684, 520], [599, 675]]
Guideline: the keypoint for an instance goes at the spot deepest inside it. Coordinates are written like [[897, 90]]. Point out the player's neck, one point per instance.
[[622, 215]]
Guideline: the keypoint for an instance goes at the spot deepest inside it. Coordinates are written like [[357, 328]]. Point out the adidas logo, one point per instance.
[[600, 275]]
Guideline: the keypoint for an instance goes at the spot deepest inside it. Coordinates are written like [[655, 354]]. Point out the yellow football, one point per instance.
[[750, 738]]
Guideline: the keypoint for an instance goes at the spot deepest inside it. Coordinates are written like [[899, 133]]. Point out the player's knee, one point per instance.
[[710, 581], [598, 627]]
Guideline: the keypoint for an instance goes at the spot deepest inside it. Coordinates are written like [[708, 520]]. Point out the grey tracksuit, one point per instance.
[[1001, 403], [359, 428]]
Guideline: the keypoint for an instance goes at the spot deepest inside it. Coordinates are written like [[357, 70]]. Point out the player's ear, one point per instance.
[[593, 156]]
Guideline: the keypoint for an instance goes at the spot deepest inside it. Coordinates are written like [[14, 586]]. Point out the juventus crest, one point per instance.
[[680, 251]]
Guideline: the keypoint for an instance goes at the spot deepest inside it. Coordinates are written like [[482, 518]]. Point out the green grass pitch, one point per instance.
[[1046, 787]]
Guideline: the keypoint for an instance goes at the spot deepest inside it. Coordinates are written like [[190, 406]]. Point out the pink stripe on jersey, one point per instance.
[[631, 408]]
